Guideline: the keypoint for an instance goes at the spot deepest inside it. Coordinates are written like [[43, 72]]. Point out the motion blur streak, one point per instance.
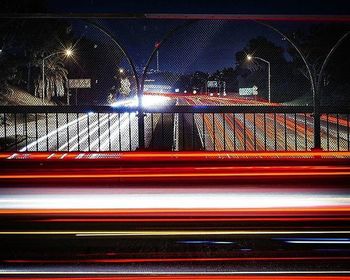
[[43, 138], [141, 156], [195, 172], [187, 219], [169, 232], [175, 212], [175, 198], [319, 242], [195, 274], [160, 260], [190, 215], [197, 277]]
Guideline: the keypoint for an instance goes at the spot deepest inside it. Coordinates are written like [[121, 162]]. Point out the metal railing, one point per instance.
[[215, 128]]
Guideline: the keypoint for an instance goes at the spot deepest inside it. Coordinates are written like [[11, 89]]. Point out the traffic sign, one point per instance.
[[211, 84], [249, 91], [79, 83]]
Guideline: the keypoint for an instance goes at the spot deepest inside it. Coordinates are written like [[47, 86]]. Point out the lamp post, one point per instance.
[[249, 58], [67, 53]]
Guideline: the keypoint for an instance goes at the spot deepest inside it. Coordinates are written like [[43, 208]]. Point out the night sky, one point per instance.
[[197, 6], [205, 46], [139, 36]]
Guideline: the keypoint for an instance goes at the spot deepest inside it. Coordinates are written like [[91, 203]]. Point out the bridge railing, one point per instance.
[[212, 128]]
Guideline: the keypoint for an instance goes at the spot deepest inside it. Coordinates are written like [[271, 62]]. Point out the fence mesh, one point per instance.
[[124, 78]]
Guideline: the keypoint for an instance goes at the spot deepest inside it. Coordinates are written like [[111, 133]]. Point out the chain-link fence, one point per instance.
[[223, 84]]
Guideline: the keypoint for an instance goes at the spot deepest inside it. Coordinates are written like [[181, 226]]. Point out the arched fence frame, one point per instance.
[[315, 81]]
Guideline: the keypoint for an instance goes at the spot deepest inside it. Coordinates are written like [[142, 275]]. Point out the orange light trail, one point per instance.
[[278, 155], [191, 173], [190, 220], [183, 211], [199, 259]]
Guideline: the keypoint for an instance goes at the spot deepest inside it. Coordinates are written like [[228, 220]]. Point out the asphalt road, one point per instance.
[[232, 132], [257, 132]]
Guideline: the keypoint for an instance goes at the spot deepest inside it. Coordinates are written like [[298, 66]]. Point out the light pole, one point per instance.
[[157, 45], [249, 58], [119, 83], [66, 52]]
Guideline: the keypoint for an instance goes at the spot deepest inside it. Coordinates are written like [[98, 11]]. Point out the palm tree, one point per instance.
[[56, 76]]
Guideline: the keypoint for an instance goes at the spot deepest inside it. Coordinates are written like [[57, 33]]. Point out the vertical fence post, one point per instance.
[[141, 125], [317, 122], [314, 90], [317, 103], [141, 120]]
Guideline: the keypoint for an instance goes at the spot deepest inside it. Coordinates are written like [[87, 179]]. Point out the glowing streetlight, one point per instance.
[[249, 58], [121, 70], [67, 52]]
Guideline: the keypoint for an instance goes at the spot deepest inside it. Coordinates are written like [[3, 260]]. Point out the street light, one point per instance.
[[121, 70], [249, 58], [67, 52]]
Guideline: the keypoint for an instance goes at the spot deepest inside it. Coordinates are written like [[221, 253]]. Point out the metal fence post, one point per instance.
[[141, 121], [141, 125], [314, 90], [317, 103], [317, 122]]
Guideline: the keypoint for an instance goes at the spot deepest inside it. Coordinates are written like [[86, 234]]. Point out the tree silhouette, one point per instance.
[[286, 83], [24, 45], [316, 42]]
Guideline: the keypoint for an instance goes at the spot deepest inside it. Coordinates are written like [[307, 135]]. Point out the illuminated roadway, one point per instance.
[[250, 132], [84, 132], [103, 132]]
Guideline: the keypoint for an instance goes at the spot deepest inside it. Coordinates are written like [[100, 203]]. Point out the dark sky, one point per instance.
[[201, 6], [205, 47], [180, 6]]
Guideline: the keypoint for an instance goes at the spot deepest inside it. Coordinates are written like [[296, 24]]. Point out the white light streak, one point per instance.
[[317, 242], [54, 132], [162, 199], [147, 101]]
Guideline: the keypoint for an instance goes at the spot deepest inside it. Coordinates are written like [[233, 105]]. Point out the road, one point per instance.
[[251, 132], [91, 131], [230, 131], [76, 132]]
